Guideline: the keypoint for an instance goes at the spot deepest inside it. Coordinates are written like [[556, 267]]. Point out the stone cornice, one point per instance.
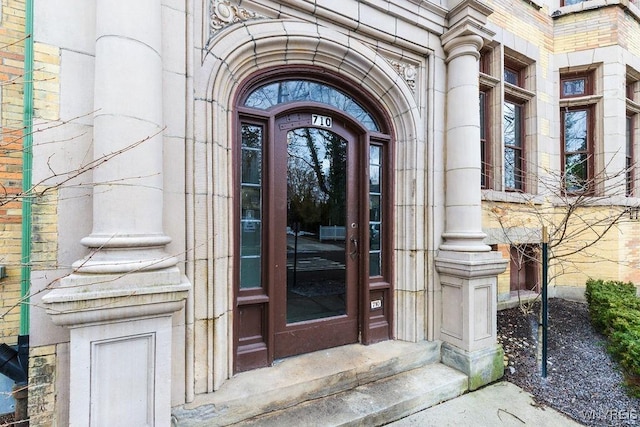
[[83, 299], [469, 8], [470, 265]]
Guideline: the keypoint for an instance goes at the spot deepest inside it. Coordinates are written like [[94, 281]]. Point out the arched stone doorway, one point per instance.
[[234, 55], [314, 199]]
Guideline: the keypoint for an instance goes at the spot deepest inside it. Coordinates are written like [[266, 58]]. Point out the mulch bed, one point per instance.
[[582, 380]]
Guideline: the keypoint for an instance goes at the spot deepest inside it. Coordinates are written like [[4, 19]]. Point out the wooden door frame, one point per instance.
[[253, 343], [345, 328]]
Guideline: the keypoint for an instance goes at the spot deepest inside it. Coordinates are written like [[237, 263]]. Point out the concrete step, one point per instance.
[[310, 377], [373, 404]]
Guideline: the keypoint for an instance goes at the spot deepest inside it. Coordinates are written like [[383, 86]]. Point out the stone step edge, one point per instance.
[[372, 404], [224, 407]]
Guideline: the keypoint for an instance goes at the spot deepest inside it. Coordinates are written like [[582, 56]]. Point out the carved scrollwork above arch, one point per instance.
[[223, 13], [409, 72]]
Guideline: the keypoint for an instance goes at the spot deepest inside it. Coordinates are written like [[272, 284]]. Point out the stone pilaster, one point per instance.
[[119, 300], [467, 267]]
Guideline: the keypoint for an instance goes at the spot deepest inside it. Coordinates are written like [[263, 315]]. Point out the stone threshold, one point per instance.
[[328, 377]]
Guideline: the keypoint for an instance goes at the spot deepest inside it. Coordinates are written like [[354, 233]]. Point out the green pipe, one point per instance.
[[27, 167]]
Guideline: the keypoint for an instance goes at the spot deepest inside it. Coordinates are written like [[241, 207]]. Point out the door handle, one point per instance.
[[354, 243]]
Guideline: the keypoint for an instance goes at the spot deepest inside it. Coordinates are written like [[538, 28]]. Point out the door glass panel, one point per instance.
[[316, 219], [251, 207], [375, 210]]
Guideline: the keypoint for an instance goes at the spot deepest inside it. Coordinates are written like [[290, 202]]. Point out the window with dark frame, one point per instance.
[[577, 134], [513, 128], [511, 75], [513, 146], [575, 86], [577, 150], [503, 112], [630, 152], [629, 158], [484, 146]]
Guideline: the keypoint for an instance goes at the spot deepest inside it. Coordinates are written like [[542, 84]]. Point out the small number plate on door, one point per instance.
[[322, 121], [376, 304]]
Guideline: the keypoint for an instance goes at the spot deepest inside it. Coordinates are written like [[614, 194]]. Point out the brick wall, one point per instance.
[[42, 380], [629, 32], [613, 257], [587, 30], [43, 407], [11, 81]]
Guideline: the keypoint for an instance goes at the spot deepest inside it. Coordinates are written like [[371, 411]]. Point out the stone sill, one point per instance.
[[511, 197]]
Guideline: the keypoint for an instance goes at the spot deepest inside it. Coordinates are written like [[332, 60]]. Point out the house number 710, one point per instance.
[[322, 121]]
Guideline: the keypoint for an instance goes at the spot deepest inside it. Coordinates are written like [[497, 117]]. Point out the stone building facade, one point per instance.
[[225, 184]]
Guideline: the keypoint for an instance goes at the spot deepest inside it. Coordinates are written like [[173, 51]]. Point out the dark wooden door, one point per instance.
[[317, 234]]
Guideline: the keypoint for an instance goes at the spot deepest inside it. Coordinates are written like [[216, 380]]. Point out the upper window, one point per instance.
[[280, 92], [514, 109], [575, 86], [512, 76], [504, 138], [633, 109], [577, 134]]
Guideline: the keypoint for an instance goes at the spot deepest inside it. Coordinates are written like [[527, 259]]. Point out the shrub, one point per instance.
[[615, 311]]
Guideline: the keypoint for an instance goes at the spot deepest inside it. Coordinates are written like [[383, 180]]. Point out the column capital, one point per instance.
[[467, 27]]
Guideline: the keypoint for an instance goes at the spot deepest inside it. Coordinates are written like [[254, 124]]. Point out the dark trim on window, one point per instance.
[[485, 138], [576, 85], [518, 176], [630, 154], [583, 157]]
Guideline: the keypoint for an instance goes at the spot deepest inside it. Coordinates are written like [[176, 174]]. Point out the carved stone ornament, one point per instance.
[[223, 13], [408, 72]]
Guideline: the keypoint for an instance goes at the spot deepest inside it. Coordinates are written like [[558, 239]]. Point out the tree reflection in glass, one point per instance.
[[513, 172], [576, 150], [285, 91], [316, 219]]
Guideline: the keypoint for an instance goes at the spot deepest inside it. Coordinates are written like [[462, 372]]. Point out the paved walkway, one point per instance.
[[500, 404]]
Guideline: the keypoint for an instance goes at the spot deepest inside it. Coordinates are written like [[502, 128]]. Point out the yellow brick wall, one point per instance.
[[44, 236], [523, 20], [42, 380], [614, 257], [11, 88], [629, 32], [46, 81], [587, 30]]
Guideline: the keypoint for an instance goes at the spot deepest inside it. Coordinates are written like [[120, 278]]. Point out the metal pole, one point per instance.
[[545, 313], [27, 166]]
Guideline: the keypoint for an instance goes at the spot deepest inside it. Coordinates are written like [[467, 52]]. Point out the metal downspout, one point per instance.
[[27, 165]]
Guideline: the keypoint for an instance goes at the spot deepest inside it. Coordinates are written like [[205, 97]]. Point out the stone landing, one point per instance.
[[350, 385]]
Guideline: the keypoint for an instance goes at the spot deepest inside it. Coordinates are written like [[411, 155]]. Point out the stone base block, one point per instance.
[[481, 366]]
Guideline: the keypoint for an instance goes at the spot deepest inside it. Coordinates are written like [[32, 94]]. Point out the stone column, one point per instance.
[[467, 267], [119, 300]]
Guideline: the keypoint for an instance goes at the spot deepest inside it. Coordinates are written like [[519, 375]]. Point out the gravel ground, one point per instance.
[[582, 379]]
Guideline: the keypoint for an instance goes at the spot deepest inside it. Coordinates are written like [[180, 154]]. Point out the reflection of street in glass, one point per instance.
[[316, 214], [315, 278]]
